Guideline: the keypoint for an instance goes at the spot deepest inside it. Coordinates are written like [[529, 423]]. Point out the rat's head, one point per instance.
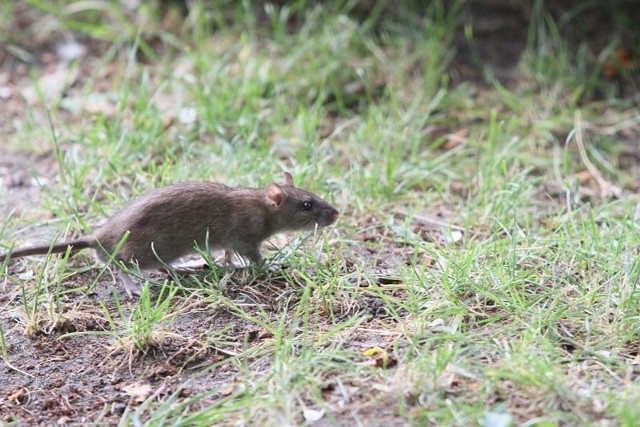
[[296, 209]]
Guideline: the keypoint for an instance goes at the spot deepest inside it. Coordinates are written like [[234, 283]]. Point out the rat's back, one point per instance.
[[168, 220]]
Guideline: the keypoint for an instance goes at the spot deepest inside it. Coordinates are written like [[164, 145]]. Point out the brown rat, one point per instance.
[[170, 222]]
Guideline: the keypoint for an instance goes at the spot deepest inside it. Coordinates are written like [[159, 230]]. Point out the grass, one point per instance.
[[483, 279]]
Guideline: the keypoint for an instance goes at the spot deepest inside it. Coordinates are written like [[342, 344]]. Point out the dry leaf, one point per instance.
[[16, 396], [583, 177], [234, 387], [456, 138], [375, 351], [380, 357], [454, 237], [312, 415], [70, 50], [619, 64], [139, 391]]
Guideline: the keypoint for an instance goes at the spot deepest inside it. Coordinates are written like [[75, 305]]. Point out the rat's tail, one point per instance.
[[75, 245]]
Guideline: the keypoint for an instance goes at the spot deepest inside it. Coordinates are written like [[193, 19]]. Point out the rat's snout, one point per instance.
[[330, 214]]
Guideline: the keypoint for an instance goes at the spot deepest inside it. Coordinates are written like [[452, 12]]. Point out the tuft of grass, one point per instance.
[[147, 324]]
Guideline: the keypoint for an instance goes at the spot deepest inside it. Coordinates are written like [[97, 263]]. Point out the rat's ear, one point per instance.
[[276, 195], [288, 179]]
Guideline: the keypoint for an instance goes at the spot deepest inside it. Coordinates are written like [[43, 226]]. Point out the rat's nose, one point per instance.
[[332, 214]]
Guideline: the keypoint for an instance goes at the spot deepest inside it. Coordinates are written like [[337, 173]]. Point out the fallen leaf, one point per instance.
[[16, 396], [70, 50], [139, 391], [620, 63], [312, 415], [496, 419], [375, 351], [456, 138], [63, 421], [454, 237], [234, 387], [583, 177], [380, 357]]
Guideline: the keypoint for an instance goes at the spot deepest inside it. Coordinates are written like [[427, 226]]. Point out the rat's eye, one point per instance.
[[306, 205]]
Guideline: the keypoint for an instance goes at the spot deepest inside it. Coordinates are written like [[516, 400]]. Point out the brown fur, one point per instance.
[[173, 220]]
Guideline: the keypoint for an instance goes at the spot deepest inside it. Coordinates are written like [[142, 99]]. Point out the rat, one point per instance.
[[170, 222]]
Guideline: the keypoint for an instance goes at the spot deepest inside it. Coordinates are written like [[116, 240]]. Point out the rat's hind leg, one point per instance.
[[251, 253], [228, 258]]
